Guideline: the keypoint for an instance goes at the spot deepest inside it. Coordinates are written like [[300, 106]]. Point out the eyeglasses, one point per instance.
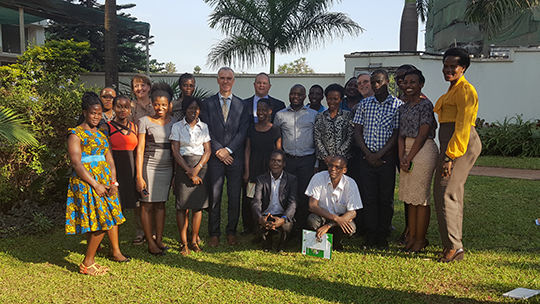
[[107, 96]]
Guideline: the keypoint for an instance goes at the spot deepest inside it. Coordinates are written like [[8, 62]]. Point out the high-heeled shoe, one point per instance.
[[458, 256], [421, 249]]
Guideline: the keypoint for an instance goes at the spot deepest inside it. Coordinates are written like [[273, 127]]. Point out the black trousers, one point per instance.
[[247, 216], [315, 221], [303, 168], [218, 171], [284, 230], [377, 190]]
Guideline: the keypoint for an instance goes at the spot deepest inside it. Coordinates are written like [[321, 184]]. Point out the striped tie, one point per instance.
[[224, 109]]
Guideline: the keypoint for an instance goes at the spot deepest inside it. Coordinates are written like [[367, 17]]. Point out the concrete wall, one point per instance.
[[505, 87], [243, 87]]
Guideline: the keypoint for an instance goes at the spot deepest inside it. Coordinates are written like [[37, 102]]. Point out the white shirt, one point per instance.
[[191, 139], [274, 207], [345, 197], [255, 101]]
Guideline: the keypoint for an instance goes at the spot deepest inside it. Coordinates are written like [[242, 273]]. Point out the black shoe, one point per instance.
[[370, 242], [267, 244], [246, 232], [382, 244]]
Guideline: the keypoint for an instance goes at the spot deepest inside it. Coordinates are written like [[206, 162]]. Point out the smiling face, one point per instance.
[[188, 87], [297, 95], [412, 86], [192, 112], [351, 89], [107, 95], [140, 88], [277, 163], [263, 112], [315, 96], [452, 71], [122, 109], [379, 84], [161, 105], [364, 85], [225, 81], [262, 85], [93, 115], [333, 100], [336, 169]]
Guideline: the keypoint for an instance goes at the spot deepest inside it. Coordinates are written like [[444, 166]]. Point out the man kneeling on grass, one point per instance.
[[333, 199], [274, 203]]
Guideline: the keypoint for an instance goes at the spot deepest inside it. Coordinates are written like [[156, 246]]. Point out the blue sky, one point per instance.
[[182, 35]]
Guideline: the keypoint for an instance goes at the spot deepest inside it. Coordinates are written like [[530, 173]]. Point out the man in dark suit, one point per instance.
[[227, 117], [274, 203], [262, 86]]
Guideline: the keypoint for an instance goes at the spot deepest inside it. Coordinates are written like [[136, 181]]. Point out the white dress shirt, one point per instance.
[[345, 197], [191, 139]]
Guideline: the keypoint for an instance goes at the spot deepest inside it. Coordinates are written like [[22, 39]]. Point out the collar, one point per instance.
[[340, 185], [372, 98], [272, 177], [185, 123], [226, 98], [302, 108]]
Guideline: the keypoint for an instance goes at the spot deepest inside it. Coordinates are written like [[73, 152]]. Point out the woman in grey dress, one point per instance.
[[154, 169], [190, 139]]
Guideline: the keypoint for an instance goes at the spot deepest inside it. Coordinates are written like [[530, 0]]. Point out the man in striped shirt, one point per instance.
[[376, 124]]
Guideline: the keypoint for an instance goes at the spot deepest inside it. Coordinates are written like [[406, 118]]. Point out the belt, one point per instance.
[[297, 157], [92, 158]]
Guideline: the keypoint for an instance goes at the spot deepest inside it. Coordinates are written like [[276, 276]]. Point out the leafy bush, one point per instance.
[[513, 137], [43, 87]]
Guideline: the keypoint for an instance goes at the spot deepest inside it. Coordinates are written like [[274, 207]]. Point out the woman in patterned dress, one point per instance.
[[334, 131], [92, 203], [417, 156]]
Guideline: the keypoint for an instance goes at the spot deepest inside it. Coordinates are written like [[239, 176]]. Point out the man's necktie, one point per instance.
[[224, 109]]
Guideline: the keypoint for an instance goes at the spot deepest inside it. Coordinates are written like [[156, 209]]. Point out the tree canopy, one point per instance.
[[131, 48], [258, 29]]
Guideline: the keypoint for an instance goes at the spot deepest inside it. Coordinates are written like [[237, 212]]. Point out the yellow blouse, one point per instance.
[[459, 105]]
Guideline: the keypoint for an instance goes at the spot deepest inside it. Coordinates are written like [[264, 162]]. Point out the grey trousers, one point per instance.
[[448, 192]]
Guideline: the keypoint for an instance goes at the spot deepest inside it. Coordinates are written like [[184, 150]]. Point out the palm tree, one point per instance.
[[258, 28], [408, 32], [12, 129], [111, 44], [491, 13]]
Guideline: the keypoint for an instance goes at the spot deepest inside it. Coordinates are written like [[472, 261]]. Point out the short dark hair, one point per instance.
[[188, 100], [160, 93], [464, 59], [299, 86], [90, 99], [184, 77], [161, 86], [418, 73], [335, 87], [316, 86], [352, 78], [266, 101], [118, 97], [407, 67], [384, 72], [280, 152]]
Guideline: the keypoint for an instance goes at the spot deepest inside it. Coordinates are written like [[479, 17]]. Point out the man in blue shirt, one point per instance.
[[376, 133]]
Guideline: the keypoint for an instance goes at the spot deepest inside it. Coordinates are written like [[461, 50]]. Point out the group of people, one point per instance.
[[331, 170]]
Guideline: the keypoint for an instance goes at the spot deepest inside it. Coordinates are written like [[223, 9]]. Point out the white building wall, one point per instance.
[[243, 87], [505, 87]]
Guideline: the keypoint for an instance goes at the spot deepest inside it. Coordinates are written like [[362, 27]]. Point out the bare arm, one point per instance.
[[419, 142], [109, 157], [139, 160]]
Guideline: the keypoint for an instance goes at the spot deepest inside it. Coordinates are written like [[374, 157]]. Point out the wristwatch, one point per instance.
[[116, 184], [448, 159]]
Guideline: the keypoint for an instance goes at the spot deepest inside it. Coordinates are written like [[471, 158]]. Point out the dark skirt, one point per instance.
[[188, 195], [124, 162]]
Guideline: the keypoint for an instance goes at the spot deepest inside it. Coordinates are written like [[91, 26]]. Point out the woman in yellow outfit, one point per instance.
[[92, 202], [460, 147]]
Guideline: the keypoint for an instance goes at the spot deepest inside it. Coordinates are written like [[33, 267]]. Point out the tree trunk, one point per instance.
[[111, 44], [408, 33], [272, 61]]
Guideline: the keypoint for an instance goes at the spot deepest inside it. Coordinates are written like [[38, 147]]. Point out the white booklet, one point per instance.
[[521, 293], [320, 248]]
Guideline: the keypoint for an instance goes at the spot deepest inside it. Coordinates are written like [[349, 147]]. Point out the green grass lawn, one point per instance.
[[499, 236], [509, 162]]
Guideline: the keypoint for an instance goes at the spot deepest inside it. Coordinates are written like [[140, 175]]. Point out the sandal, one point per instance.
[[184, 250], [139, 240], [97, 269], [194, 247]]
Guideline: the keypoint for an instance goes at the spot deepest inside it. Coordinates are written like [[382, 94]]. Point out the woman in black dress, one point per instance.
[[263, 138]]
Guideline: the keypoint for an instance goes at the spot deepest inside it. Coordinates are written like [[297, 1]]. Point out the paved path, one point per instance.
[[506, 172]]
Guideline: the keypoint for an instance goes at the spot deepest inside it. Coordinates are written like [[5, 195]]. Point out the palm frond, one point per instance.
[[422, 8], [12, 128], [492, 13], [245, 51]]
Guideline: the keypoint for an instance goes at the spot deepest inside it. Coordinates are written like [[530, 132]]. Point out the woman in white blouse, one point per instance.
[[190, 140]]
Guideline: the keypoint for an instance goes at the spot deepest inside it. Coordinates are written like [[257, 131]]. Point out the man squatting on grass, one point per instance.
[[333, 199]]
